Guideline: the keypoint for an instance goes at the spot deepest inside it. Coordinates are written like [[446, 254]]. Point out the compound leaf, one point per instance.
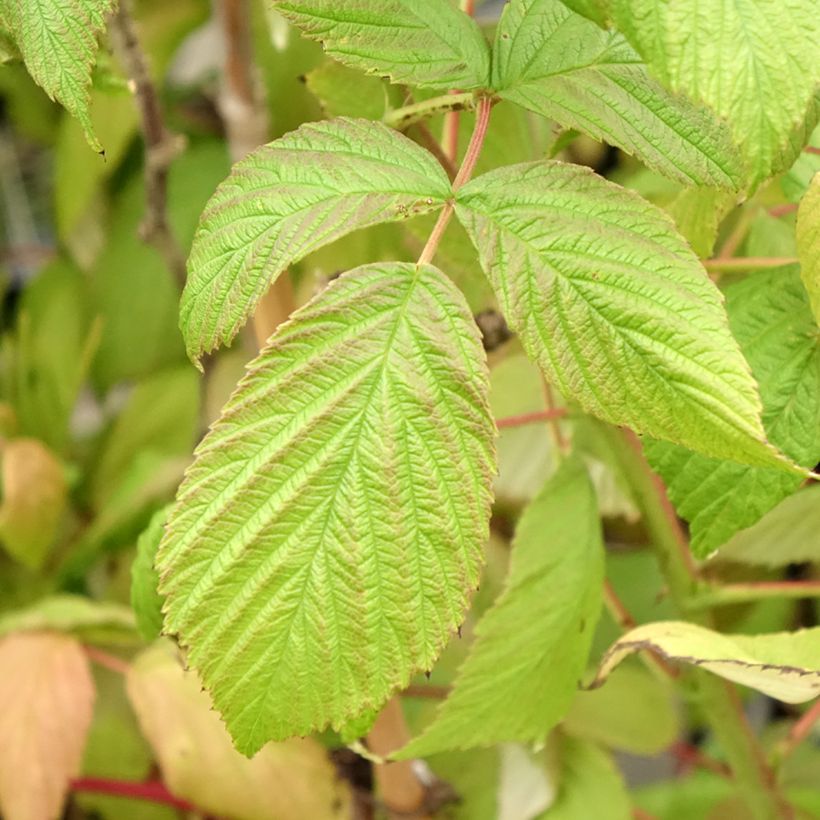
[[291, 197], [565, 67], [324, 544], [770, 317], [782, 665], [58, 42], [532, 646], [752, 61], [418, 42], [808, 243], [613, 305]]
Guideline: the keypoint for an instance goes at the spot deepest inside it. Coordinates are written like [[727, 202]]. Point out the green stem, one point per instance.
[[717, 698], [756, 591], [402, 118], [748, 263]]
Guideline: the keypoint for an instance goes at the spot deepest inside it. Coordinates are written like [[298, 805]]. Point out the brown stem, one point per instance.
[[427, 139], [782, 210], [531, 418], [426, 692], [161, 147], [244, 113], [810, 149]]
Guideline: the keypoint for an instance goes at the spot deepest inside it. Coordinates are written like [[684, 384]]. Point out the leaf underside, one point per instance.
[[326, 540], [565, 67], [288, 198], [613, 305]]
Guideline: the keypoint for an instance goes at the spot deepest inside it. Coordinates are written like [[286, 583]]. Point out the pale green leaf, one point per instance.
[[590, 785], [324, 544], [58, 42], [635, 712], [788, 534], [91, 621], [565, 67], [698, 213], [770, 317], [284, 780], [783, 665], [752, 61], [616, 309], [145, 600], [288, 198], [418, 42], [345, 92], [808, 243], [593, 9], [48, 696], [531, 647]]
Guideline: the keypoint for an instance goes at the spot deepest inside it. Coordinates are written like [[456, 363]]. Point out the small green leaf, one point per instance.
[[616, 309], [532, 646], [345, 92], [770, 317], [58, 42], [808, 243], [288, 198], [592, 9], [145, 600], [783, 665], [564, 67], [752, 61], [788, 534], [418, 42], [324, 544]]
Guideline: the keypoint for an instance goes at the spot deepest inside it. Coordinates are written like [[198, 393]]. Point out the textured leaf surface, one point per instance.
[[752, 61], [58, 42], [199, 763], [145, 600], [326, 540], [783, 665], [568, 69], [417, 42], [808, 243], [531, 647], [789, 534], [34, 499], [770, 317], [288, 198], [47, 695], [609, 300]]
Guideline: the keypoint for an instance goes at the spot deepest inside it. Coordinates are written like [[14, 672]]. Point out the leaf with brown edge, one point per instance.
[[47, 697]]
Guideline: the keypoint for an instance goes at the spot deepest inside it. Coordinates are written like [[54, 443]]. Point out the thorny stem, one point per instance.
[[717, 698], [161, 147], [464, 173]]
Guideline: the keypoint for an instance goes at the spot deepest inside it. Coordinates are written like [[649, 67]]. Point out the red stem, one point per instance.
[[107, 660], [810, 149], [153, 791], [802, 729], [531, 418]]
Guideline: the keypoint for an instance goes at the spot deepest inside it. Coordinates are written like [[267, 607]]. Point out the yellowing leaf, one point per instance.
[[292, 779], [324, 545], [808, 243], [34, 495], [783, 665], [47, 696], [58, 41], [289, 198]]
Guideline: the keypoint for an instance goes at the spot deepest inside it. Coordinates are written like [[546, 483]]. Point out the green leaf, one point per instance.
[[615, 308], [418, 42], [592, 9], [345, 92], [145, 600], [635, 712], [532, 646], [568, 69], [698, 213], [808, 243], [325, 542], [91, 621], [788, 534], [198, 762], [752, 61], [783, 665], [770, 317], [590, 785], [58, 42], [288, 198]]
